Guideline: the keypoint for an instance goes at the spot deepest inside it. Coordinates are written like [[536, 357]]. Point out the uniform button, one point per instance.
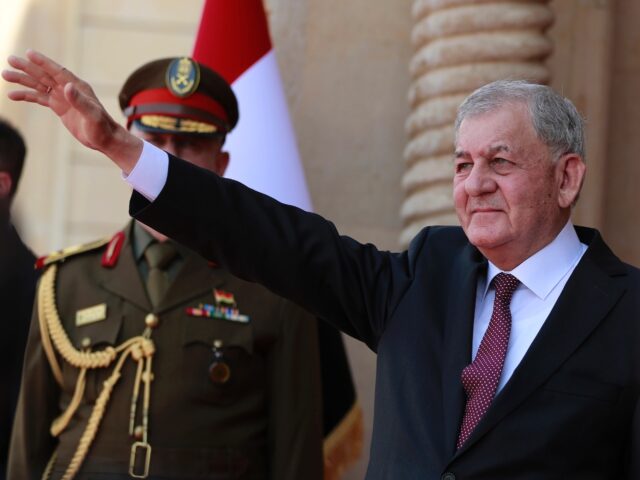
[[86, 342], [448, 476], [151, 320], [138, 433]]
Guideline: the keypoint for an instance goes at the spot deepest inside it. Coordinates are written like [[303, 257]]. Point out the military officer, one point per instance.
[[146, 361]]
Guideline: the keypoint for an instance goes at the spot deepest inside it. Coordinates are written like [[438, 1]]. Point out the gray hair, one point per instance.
[[554, 118]]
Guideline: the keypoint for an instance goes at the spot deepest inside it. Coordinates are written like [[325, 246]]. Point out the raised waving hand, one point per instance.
[[72, 99]]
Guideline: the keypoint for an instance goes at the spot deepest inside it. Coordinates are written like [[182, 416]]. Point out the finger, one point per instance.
[[84, 104], [52, 68], [30, 96], [24, 80], [32, 70]]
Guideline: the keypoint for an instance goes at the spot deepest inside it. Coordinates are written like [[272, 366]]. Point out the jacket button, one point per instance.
[[151, 320], [448, 476]]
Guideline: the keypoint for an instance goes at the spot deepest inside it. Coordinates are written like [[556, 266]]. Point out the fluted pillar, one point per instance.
[[460, 45]]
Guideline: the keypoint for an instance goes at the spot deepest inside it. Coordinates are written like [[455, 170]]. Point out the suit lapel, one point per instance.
[[570, 322], [457, 339], [124, 278]]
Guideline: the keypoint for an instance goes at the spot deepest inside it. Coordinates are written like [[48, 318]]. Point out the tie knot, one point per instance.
[[505, 284], [160, 254]]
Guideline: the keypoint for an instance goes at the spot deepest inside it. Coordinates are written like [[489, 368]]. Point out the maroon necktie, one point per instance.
[[481, 377]]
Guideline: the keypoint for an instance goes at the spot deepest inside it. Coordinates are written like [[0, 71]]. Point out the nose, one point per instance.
[[479, 181]]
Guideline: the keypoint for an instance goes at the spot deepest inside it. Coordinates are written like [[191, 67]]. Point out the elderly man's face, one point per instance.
[[507, 190]]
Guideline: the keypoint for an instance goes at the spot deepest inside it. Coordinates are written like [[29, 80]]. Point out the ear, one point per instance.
[[5, 185], [570, 171], [222, 162]]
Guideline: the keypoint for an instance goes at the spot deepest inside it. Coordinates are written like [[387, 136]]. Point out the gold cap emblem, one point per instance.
[[183, 77]]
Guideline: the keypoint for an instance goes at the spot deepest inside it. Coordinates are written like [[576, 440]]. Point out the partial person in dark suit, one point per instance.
[[145, 359], [17, 284], [507, 348]]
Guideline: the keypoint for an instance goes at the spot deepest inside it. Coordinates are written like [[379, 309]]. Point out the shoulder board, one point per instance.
[[61, 255]]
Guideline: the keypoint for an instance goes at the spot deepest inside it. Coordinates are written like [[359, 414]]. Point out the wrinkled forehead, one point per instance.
[[505, 128]]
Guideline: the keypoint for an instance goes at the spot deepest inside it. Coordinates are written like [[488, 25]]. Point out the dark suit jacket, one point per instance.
[[264, 423], [570, 410], [17, 284]]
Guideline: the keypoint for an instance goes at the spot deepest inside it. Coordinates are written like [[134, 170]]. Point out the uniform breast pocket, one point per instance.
[[219, 365]]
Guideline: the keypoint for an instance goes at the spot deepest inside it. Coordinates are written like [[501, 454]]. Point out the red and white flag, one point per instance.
[[233, 39]]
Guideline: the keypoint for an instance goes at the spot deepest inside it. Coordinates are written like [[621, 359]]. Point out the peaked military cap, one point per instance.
[[179, 95]]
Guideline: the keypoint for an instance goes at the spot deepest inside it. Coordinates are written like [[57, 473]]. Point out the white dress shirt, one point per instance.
[[150, 172], [542, 276], [542, 279]]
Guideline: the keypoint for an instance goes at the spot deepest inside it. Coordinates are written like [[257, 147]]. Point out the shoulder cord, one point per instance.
[[47, 471], [46, 289], [141, 349], [78, 359]]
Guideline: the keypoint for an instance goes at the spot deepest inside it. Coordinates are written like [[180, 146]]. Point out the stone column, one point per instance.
[[460, 45]]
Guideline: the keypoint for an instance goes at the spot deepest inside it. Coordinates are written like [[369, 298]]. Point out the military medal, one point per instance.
[[223, 313], [223, 298], [219, 371], [225, 308]]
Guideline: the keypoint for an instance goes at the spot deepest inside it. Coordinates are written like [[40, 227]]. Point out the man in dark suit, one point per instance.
[[507, 348], [17, 284]]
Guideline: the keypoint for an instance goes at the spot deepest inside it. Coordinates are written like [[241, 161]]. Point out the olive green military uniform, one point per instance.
[[260, 419]]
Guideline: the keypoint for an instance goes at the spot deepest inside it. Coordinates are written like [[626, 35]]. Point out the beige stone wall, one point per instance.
[[597, 64], [621, 222], [581, 66]]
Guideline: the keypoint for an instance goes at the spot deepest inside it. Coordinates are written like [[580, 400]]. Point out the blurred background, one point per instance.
[[371, 85]]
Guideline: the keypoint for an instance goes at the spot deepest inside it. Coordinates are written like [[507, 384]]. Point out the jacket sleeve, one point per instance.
[[295, 401], [296, 254], [31, 443]]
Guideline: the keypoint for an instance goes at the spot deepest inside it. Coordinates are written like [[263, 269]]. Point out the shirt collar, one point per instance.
[[542, 271]]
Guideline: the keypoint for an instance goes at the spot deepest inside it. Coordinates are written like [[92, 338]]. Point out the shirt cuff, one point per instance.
[[150, 172]]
